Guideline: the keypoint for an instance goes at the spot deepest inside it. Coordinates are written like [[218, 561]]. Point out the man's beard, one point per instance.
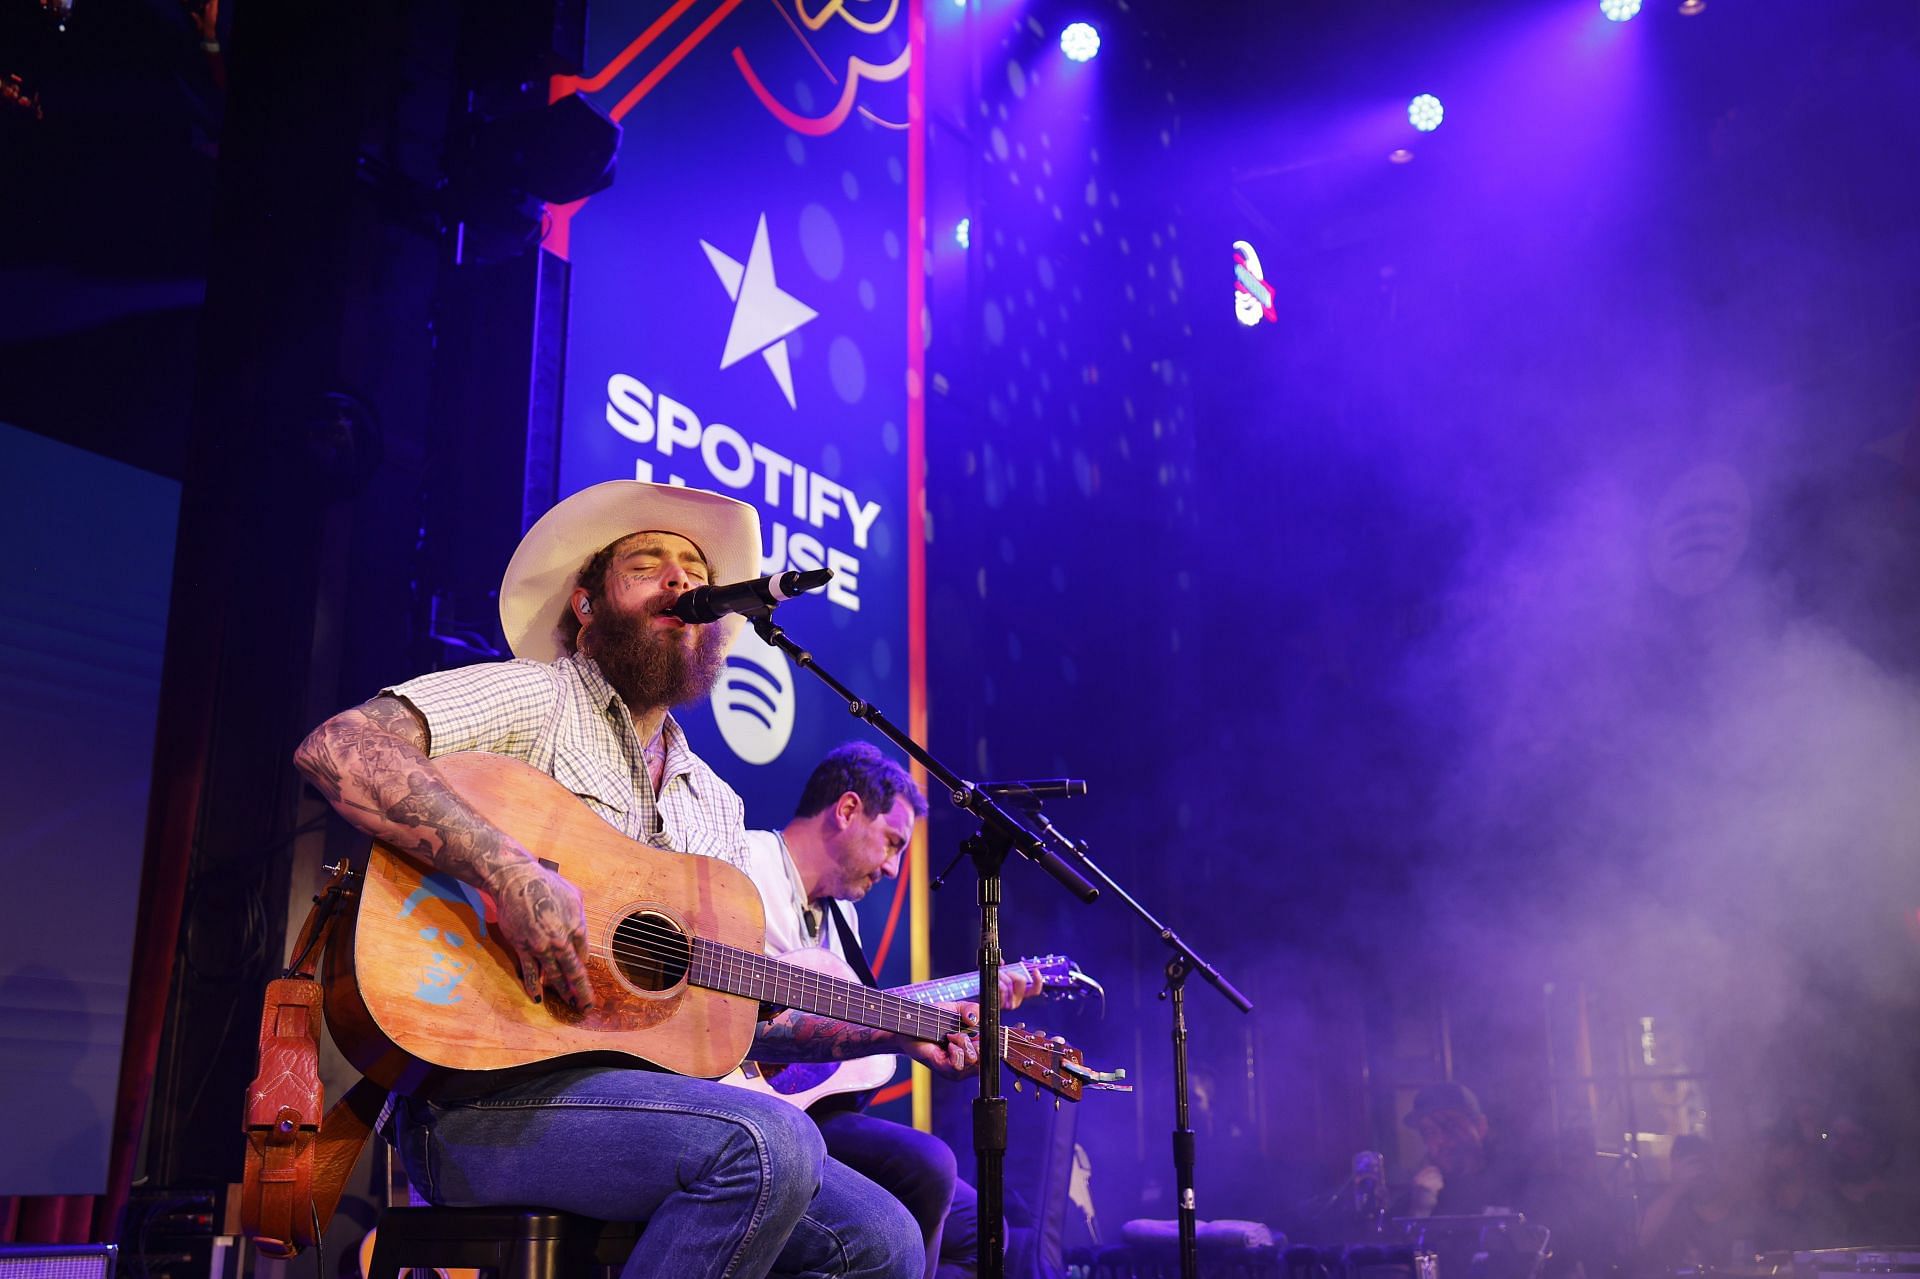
[[652, 667]]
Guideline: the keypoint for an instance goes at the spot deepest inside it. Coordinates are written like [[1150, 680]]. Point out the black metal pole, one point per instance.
[[1183, 1151], [990, 1107]]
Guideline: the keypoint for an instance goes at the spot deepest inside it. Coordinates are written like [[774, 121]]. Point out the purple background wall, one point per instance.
[[1512, 642]]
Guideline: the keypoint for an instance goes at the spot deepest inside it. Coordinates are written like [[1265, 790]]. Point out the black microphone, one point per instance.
[[711, 603], [1038, 788]]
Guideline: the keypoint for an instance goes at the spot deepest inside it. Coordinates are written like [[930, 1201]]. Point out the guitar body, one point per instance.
[[423, 997], [805, 1082]]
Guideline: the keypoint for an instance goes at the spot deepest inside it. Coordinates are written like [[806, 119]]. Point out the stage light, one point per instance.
[[1691, 7], [1619, 10], [1080, 41], [1425, 113], [1400, 155], [962, 232]]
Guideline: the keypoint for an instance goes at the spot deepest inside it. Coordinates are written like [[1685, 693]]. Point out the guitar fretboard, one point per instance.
[[744, 972], [945, 990], [965, 985]]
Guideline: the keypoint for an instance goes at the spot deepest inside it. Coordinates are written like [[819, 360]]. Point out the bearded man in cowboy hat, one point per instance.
[[729, 1182]]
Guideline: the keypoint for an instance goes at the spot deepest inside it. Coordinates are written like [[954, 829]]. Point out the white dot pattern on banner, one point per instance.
[[820, 242], [1075, 270], [847, 370]]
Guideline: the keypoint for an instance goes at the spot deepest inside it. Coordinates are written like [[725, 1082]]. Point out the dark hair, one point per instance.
[[592, 578], [861, 768]]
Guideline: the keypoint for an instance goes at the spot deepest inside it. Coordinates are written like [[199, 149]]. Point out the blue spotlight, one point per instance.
[[1425, 113], [1619, 10], [1080, 41], [963, 232]]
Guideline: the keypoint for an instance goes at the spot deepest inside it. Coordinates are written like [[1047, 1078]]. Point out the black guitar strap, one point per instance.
[[856, 958]]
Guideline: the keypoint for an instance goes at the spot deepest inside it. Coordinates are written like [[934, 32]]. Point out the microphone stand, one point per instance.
[[999, 834], [1185, 960]]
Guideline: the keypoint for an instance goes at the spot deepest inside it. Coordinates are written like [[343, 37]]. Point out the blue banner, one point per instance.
[[739, 322]]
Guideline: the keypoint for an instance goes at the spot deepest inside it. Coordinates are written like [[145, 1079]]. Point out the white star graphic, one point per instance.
[[763, 314]]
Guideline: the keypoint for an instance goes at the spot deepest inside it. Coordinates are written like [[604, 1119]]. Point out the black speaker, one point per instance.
[[57, 1261]]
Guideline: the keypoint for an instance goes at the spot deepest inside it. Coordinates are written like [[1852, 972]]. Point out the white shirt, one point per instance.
[[771, 868]]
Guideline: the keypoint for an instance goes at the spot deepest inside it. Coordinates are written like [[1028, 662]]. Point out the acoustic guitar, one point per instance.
[[423, 997], [805, 1082]]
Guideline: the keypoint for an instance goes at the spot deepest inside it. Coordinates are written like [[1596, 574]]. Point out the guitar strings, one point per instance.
[[959, 985], [705, 957]]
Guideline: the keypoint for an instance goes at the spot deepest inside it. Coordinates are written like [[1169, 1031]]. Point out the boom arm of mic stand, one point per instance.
[[994, 817], [1173, 940]]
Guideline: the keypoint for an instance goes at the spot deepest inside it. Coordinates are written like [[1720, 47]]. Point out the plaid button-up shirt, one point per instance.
[[565, 720]]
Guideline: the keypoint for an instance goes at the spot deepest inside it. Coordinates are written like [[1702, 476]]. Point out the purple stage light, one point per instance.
[[1619, 10], [963, 232], [1080, 41], [1425, 113]]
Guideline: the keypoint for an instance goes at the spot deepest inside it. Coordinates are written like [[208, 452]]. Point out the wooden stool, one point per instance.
[[511, 1243]]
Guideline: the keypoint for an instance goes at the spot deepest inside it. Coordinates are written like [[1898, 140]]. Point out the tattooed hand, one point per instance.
[[543, 918], [371, 764], [958, 1055]]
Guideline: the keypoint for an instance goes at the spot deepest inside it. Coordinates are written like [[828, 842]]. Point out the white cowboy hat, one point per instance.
[[541, 575]]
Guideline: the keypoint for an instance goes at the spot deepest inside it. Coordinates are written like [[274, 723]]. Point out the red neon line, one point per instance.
[[916, 394], [916, 381], [672, 60], [565, 84], [818, 126]]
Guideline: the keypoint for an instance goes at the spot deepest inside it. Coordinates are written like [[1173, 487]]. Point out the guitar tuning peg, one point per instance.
[[1016, 1085], [1056, 1103], [1061, 1040]]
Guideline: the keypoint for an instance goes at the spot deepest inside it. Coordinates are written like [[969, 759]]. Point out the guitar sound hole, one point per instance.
[[650, 951]]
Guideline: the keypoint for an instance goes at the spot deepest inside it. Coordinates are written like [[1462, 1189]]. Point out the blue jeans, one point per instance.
[[730, 1184], [919, 1168]]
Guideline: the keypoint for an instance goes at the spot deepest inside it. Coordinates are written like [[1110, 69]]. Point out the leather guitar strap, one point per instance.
[[297, 1160], [856, 958]]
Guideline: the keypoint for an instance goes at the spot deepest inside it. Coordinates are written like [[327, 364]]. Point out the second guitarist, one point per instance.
[[849, 831]]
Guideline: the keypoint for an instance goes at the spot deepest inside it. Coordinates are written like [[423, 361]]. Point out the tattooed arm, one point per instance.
[[371, 763], [798, 1036]]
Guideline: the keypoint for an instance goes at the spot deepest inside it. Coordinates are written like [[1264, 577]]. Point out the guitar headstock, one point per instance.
[[1056, 1065], [1061, 978]]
